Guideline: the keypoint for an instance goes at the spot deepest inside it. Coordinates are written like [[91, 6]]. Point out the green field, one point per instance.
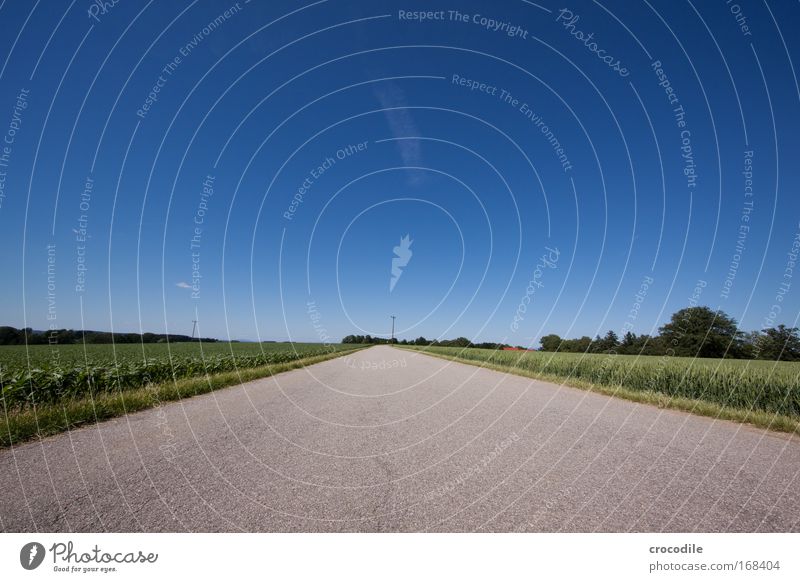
[[41, 374], [40, 356], [764, 392], [46, 390]]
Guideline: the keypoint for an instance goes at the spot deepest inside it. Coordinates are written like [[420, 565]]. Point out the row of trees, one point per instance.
[[459, 342], [11, 336], [367, 339], [691, 332]]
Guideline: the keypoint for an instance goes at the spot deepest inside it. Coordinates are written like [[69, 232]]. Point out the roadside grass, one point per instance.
[[759, 418], [20, 425]]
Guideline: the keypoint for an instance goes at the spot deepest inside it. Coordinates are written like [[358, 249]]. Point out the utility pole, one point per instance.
[[194, 327], [393, 317]]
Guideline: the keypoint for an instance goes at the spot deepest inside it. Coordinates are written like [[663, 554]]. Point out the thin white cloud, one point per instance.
[[401, 123]]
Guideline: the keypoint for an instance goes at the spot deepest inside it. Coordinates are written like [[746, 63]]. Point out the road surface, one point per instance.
[[392, 440]]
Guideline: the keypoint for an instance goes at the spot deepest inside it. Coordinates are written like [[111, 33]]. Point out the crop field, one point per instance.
[[746, 385], [42, 374]]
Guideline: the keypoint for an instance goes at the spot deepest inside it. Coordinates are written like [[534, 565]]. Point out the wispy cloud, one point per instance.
[[401, 124], [183, 285]]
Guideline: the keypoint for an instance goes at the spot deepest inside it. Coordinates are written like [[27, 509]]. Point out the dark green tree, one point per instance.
[[611, 339], [778, 343], [606, 344], [702, 332], [580, 345], [459, 342], [550, 343]]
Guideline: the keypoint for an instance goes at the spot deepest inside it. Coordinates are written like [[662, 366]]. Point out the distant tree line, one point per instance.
[[459, 342], [11, 336], [691, 332]]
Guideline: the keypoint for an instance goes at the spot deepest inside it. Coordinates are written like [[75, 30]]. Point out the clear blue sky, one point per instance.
[[586, 155]]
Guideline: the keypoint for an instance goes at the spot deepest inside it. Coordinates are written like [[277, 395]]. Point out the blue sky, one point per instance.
[[543, 145]]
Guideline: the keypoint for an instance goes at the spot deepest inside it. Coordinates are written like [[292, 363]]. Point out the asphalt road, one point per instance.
[[391, 440]]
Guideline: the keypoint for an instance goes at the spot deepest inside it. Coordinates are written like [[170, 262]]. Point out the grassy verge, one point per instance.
[[761, 419], [17, 426]]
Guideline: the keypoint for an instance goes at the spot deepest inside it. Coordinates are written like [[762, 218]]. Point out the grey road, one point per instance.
[[391, 440]]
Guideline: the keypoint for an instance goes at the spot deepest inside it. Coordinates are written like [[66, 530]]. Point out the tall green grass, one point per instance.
[[34, 379], [744, 385]]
